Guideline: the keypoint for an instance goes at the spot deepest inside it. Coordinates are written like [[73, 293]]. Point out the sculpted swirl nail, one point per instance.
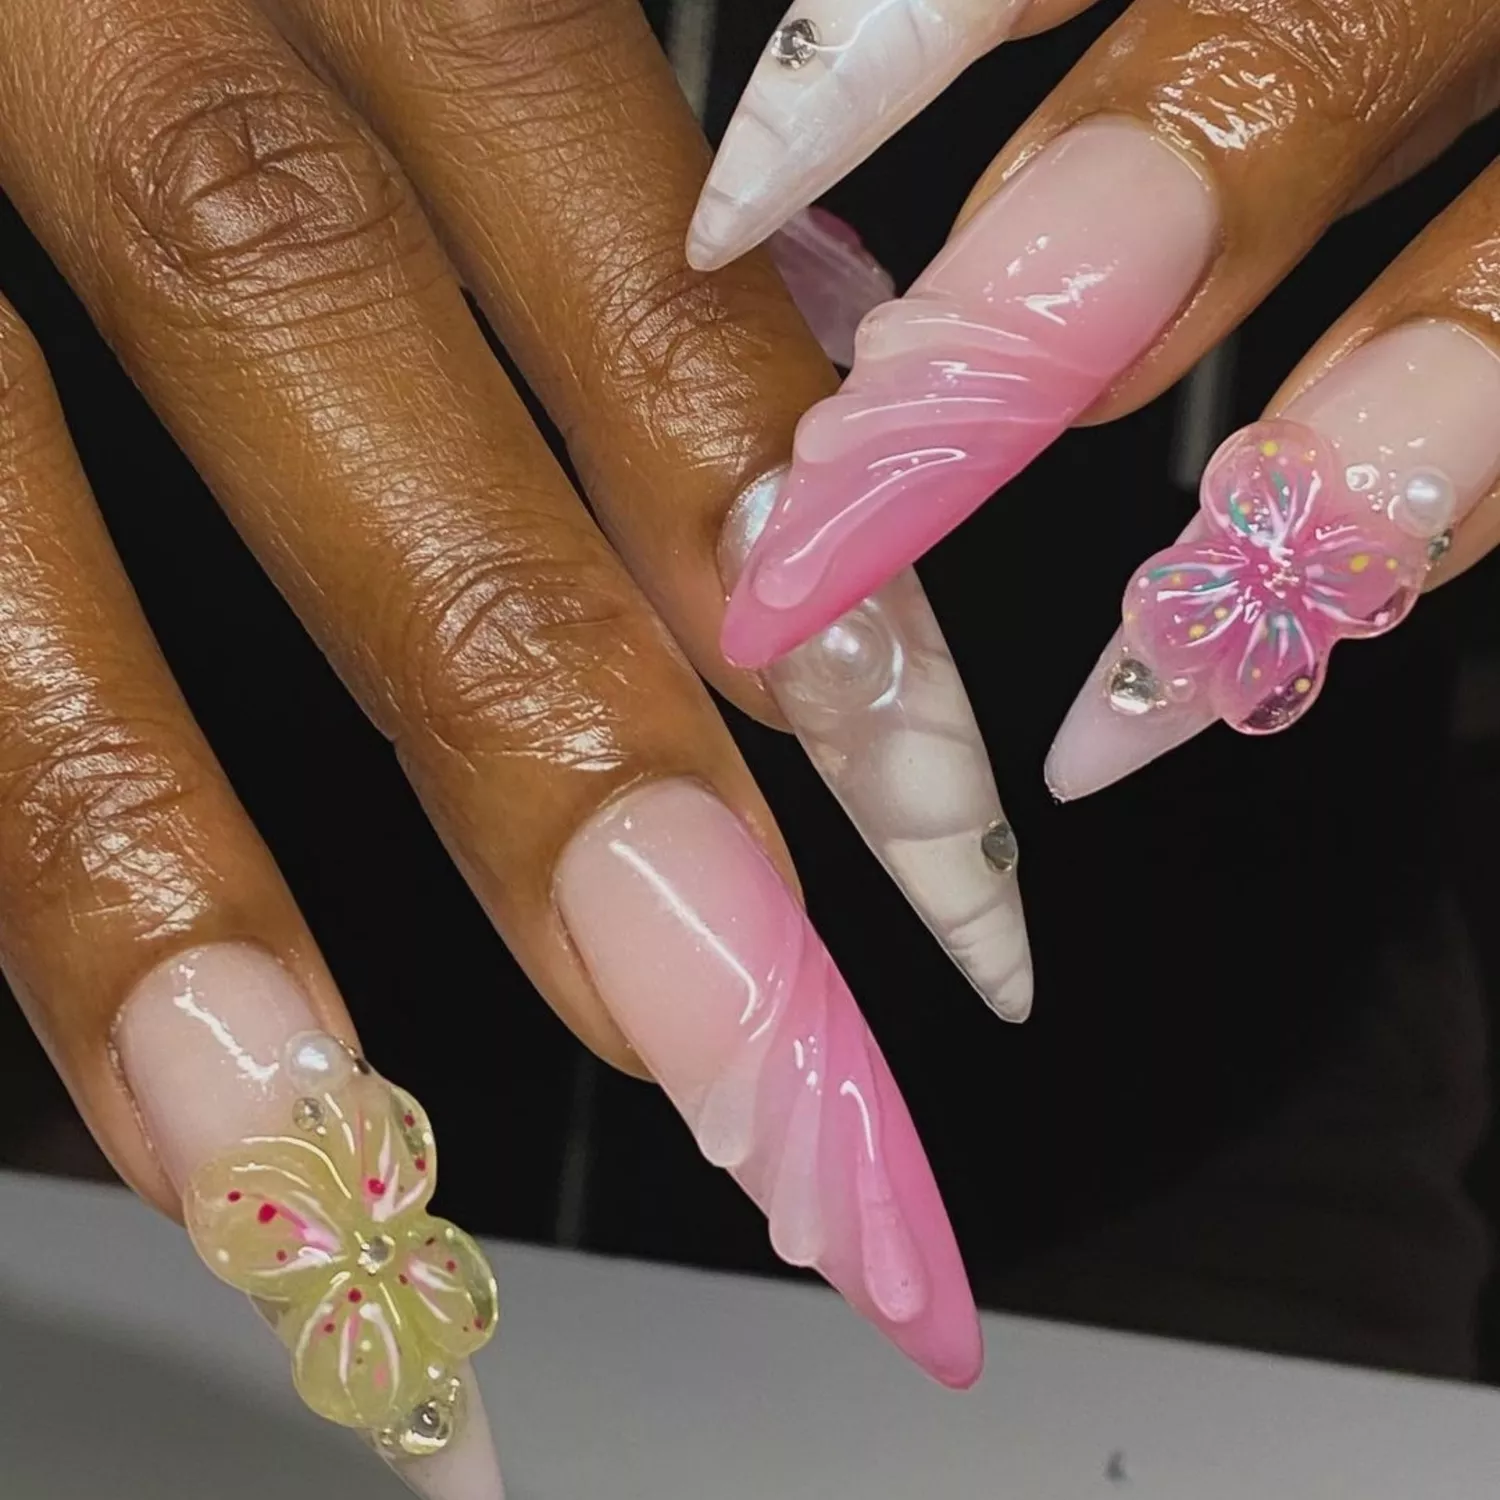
[[878, 704], [715, 974], [1054, 288]]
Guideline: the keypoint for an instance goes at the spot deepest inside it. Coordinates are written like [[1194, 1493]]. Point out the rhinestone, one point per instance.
[[998, 845], [1131, 687], [427, 1428], [794, 44], [1439, 545], [307, 1114], [375, 1253]]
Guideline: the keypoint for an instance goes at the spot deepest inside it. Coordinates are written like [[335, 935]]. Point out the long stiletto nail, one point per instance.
[[1053, 289], [1313, 528], [838, 77], [714, 973], [881, 711], [305, 1181]]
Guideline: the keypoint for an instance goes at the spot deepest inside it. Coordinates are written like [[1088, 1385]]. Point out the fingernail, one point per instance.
[[880, 709], [305, 1180], [1314, 527], [833, 279], [837, 78], [1053, 289], [712, 970]]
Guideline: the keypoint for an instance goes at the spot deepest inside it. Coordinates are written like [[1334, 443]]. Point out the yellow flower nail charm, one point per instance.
[[325, 1226]]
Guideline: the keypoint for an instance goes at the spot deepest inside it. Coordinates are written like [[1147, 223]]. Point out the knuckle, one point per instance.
[[244, 183], [525, 649], [94, 802], [1354, 61]]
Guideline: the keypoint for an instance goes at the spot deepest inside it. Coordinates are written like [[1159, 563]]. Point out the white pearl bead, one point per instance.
[[317, 1063], [1426, 503]]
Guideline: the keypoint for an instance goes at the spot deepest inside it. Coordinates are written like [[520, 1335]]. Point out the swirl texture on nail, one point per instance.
[[1015, 330], [805, 1115]]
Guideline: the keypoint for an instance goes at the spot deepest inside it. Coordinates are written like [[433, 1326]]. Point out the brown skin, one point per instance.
[[271, 281]]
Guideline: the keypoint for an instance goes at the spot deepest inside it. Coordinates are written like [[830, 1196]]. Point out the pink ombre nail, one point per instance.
[[1024, 320], [1313, 528], [713, 971]]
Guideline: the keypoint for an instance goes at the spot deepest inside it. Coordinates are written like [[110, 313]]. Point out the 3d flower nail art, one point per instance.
[[324, 1225], [1287, 558]]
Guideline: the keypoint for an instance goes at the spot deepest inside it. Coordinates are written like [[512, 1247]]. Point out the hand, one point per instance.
[[265, 216]]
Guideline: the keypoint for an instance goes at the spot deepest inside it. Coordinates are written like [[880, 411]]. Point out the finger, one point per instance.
[[152, 943], [837, 78], [269, 280], [1179, 171], [1397, 407], [564, 207]]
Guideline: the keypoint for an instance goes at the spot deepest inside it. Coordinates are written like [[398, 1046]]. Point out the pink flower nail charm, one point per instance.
[[1284, 561]]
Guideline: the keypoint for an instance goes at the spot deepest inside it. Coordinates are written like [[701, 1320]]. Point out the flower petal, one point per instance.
[[448, 1288], [266, 1216], [355, 1359], [1361, 579], [1272, 680], [382, 1146], [1266, 482], [1184, 607]]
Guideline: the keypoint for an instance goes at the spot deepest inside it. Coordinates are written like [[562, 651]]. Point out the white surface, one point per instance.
[[127, 1373]]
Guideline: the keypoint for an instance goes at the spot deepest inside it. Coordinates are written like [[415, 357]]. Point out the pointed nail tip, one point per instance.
[[1010, 1001]]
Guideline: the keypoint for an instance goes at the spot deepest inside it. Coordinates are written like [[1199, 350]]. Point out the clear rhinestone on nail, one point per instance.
[[795, 44], [1439, 545], [998, 845], [1132, 687], [307, 1114], [375, 1253], [427, 1428]]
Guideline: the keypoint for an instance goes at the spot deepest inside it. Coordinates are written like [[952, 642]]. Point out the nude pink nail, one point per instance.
[[1024, 320], [714, 973], [1313, 528], [253, 1112]]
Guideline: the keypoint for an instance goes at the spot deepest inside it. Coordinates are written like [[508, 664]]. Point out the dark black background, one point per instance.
[[1248, 1104]]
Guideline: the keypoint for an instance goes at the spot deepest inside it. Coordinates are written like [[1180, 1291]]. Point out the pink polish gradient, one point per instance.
[[201, 1041], [1418, 401], [715, 974], [1054, 288]]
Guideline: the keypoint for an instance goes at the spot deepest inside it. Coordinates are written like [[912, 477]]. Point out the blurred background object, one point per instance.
[[1222, 1122]]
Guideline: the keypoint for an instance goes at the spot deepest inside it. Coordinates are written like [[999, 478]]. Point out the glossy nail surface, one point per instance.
[[713, 971], [1054, 288], [836, 79], [880, 709], [1311, 529], [305, 1180]]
